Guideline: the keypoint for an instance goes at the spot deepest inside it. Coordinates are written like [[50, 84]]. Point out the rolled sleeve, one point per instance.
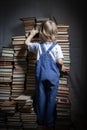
[[33, 46], [58, 53]]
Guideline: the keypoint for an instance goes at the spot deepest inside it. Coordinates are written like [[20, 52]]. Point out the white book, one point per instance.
[[23, 97]]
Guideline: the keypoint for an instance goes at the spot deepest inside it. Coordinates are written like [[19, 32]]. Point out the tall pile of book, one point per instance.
[[20, 83], [16, 107], [20, 66], [6, 71], [13, 122], [27, 114], [31, 58], [63, 108]]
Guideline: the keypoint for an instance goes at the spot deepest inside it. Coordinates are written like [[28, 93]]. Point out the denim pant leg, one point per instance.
[[40, 103], [51, 106]]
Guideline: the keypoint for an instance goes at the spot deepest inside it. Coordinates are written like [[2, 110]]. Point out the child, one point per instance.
[[48, 65]]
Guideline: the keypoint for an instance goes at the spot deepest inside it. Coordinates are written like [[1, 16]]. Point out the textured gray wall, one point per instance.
[[65, 12]]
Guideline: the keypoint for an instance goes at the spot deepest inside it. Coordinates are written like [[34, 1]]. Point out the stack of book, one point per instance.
[[29, 24], [63, 107], [29, 120], [24, 103], [27, 114], [8, 107], [20, 66], [6, 69], [30, 77], [3, 121], [31, 57], [13, 121], [62, 39]]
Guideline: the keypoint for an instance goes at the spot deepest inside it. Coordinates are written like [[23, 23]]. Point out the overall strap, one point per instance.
[[49, 49]]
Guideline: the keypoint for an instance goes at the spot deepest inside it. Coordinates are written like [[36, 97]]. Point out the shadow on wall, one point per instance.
[[18, 30]]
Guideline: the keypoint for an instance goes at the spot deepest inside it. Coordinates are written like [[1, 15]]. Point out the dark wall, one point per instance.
[[65, 12]]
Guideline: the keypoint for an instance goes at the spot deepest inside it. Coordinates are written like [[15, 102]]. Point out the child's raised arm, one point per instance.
[[31, 35]]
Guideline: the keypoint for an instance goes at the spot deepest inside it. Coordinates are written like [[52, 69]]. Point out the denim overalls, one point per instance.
[[47, 79]]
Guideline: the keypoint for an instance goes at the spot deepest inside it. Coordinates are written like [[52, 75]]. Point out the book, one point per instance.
[[23, 97], [8, 103]]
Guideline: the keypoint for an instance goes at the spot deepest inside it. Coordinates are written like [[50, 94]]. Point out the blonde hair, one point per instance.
[[48, 30]]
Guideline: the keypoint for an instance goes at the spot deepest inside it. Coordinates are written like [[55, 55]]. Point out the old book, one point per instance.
[[18, 38], [8, 103], [6, 58], [23, 97]]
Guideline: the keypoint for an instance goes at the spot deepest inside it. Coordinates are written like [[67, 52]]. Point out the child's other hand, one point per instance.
[[65, 69]]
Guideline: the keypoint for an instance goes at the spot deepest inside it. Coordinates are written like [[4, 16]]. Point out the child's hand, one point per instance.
[[34, 32], [65, 69], [31, 35]]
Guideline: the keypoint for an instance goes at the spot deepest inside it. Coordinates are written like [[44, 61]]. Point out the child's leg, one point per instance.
[[51, 105], [40, 104]]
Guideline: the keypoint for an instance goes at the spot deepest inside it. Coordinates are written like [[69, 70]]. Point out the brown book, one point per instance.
[[28, 19], [18, 42], [8, 103], [5, 63], [62, 99], [6, 58], [18, 37]]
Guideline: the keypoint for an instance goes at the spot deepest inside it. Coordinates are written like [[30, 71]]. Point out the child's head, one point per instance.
[[48, 30]]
